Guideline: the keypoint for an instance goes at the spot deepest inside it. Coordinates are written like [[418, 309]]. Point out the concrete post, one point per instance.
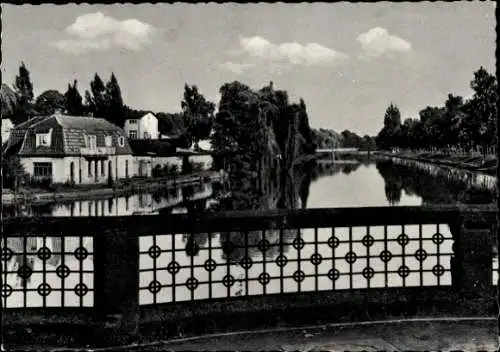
[[116, 280], [473, 260]]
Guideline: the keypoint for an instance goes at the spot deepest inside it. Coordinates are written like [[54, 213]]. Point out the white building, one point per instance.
[[76, 149], [144, 128]]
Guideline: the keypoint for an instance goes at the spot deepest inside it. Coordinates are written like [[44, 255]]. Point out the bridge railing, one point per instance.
[[120, 274]]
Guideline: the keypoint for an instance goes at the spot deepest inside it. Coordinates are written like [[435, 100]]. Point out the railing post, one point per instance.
[[473, 259], [116, 287]]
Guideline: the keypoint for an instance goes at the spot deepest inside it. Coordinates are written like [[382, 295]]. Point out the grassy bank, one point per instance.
[[471, 162], [66, 192]]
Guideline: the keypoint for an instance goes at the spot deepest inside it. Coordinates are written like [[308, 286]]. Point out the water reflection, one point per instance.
[[134, 204], [432, 189]]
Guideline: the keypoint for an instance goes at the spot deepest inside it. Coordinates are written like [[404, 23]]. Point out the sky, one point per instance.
[[348, 61]]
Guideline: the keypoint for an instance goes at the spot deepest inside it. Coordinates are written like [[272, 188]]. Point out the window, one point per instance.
[[43, 169], [102, 168], [132, 134], [121, 141], [42, 139], [89, 168], [92, 142], [133, 122], [147, 135], [108, 141]]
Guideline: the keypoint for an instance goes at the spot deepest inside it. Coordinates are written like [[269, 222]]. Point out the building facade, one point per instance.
[[144, 128], [72, 149]]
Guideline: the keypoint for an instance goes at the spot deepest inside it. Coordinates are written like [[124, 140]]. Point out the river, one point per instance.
[[201, 266]]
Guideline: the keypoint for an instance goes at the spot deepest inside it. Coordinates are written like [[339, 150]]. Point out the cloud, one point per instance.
[[293, 53], [96, 31], [377, 42], [237, 68]]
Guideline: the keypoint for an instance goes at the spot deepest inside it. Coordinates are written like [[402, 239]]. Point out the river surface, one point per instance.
[[185, 267]]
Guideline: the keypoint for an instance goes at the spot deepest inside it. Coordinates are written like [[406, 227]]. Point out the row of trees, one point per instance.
[[104, 99], [328, 139], [466, 125]]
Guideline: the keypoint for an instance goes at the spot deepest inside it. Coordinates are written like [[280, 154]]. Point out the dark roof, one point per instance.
[[68, 134], [156, 147]]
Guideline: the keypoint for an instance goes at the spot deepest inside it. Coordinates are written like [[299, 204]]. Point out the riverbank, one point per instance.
[[476, 162], [37, 196]]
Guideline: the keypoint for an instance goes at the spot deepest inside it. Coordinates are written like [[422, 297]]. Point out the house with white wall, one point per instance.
[[75, 149], [145, 127]]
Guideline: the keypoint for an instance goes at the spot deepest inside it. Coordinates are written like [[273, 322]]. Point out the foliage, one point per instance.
[[328, 139], [390, 131], [73, 100], [105, 100], [198, 114], [171, 123], [114, 100], [24, 92], [48, 102], [12, 172], [9, 101], [457, 125]]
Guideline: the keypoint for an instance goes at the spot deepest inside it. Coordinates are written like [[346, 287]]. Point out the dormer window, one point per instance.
[[133, 122], [43, 139], [121, 141], [108, 141]]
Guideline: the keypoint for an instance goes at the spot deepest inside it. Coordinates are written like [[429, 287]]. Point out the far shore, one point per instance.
[[475, 162], [133, 185]]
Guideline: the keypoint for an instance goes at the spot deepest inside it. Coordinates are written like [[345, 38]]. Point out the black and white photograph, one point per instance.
[[249, 176]]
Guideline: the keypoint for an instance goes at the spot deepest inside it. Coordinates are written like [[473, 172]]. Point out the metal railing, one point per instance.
[[127, 266]]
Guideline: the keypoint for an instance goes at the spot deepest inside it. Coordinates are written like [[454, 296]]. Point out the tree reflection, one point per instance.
[[438, 188]]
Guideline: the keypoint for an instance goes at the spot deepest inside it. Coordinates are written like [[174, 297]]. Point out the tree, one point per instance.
[[114, 103], [9, 101], [73, 100], [24, 92], [48, 102], [96, 99], [198, 114], [12, 171], [387, 137], [453, 114], [482, 106]]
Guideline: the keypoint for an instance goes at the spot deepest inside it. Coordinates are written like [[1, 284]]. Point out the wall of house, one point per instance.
[[142, 166], [121, 166], [58, 171], [148, 123]]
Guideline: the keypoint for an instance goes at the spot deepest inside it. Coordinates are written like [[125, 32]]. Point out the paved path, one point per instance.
[[435, 335]]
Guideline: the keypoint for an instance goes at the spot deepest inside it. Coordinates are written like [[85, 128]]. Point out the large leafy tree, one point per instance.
[[388, 136], [49, 102], [482, 106], [73, 100], [198, 114], [24, 92], [9, 101]]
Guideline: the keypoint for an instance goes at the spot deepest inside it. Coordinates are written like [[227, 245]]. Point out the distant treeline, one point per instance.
[[328, 139], [466, 125]]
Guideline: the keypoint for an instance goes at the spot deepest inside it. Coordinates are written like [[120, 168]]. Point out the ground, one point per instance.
[[474, 334]]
